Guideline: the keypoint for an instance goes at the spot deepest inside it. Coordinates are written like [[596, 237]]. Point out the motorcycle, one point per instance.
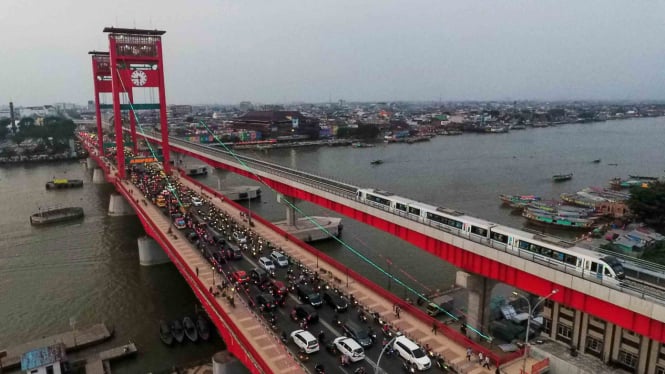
[[284, 338], [441, 363], [322, 337], [362, 317], [408, 367], [360, 370], [319, 369], [336, 321], [302, 356]]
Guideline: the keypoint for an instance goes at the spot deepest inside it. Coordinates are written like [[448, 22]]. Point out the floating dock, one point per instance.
[[73, 340], [101, 363], [241, 193], [309, 231]]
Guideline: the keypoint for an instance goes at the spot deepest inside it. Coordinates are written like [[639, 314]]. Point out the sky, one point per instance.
[[282, 51]]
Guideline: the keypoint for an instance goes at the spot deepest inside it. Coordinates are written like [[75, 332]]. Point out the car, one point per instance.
[[278, 288], [279, 259], [304, 312], [179, 222], [266, 301], [236, 253], [266, 264], [308, 295], [259, 276], [337, 302], [358, 333], [412, 353], [239, 237], [305, 341], [239, 277], [349, 348], [196, 201]]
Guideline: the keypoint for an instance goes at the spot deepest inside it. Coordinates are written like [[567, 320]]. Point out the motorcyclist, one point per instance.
[[322, 336]]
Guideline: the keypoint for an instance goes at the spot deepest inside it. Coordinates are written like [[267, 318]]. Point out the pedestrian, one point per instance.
[[434, 327], [197, 268], [497, 371], [480, 358], [468, 354], [486, 364], [463, 330], [397, 309]]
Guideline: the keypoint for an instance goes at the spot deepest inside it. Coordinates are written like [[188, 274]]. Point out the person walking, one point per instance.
[[397, 309], [434, 327], [468, 354], [480, 358], [197, 271], [486, 363]]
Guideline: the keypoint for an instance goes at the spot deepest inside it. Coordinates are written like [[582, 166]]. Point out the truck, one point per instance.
[[438, 304]]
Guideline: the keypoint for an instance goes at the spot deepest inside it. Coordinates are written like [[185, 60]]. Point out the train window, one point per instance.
[[607, 272], [594, 267], [523, 245], [499, 237], [377, 199], [479, 231], [400, 206], [446, 221], [415, 211], [570, 259]]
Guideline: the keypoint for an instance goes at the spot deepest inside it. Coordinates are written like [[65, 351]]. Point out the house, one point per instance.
[[46, 360]]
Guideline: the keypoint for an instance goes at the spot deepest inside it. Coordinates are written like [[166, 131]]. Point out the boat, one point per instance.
[[58, 183], [596, 161], [165, 333], [643, 178], [190, 329], [53, 215], [518, 201], [202, 327], [562, 177], [177, 331], [377, 162], [199, 170], [542, 217]]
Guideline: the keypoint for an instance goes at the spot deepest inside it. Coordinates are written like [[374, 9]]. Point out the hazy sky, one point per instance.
[[268, 51]]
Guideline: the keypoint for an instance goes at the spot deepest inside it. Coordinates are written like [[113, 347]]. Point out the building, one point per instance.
[[180, 110], [278, 124], [46, 360]]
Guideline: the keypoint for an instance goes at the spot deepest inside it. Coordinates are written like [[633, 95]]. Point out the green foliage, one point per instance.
[[656, 254], [367, 132], [3, 127], [648, 204]]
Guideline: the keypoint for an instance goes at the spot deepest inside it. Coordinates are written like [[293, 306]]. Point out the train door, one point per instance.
[[595, 269]]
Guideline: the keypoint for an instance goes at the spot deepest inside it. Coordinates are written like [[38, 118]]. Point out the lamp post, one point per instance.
[[528, 321], [390, 275], [376, 370], [249, 207]]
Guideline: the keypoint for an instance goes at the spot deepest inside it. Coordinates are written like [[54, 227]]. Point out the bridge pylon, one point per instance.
[[101, 74], [289, 203], [136, 64]]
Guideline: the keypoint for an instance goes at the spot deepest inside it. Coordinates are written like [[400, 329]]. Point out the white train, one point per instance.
[[543, 249]]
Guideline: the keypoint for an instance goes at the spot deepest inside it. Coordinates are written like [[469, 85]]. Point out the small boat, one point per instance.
[[177, 331], [63, 183], [613, 164], [554, 219], [643, 178], [165, 333], [596, 161], [190, 329], [562, 177], [377, 162], [518, 201], [202, 327]]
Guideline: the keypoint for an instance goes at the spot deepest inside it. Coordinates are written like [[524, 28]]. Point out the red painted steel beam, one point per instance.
[[469, 261]]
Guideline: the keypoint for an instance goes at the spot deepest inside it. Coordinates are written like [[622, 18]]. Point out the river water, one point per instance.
[[90, 271]]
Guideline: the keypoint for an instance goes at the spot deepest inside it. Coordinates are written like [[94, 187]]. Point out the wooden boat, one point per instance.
[[596, 161], [542, 217], [63, 183], [562, 177], [518, 201], [177, 331], [165, 333], [190, 329], [377, 162], [53, 215], [202, 327]]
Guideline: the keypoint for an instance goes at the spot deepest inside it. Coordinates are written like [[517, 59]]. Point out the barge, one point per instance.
[[63, 183], [53, 215]]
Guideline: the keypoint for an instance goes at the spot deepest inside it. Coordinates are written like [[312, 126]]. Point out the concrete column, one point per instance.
[[90, 163], [98, 176], [224, 363], [479, 293], [577, 328], [616, 343], [555, 320], [150, 253], [119, 207], [607, 342], [653, 356], [289, 203], [643, 355], [581, 343]]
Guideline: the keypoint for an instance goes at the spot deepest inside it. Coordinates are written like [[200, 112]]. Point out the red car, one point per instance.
[[239, 277]]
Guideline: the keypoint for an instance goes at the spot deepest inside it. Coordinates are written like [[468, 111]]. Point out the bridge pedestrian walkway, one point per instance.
[[412, 327]]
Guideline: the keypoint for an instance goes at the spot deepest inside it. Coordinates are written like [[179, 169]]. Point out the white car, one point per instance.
[[305, 341], [412, 353], [239, 237], [196, 201], [279, 259], [266, 264], [349, 348]]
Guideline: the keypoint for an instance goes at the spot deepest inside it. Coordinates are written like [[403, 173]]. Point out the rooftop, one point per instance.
[[43, 356]]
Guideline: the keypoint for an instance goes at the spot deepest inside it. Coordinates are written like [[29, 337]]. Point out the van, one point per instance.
[[412, 353], [439, 304]]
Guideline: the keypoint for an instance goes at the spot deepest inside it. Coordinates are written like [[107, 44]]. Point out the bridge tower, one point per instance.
[[136, 62], [101, 74]]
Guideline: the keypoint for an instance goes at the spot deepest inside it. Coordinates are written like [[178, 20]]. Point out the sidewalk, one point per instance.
[[412, 327]]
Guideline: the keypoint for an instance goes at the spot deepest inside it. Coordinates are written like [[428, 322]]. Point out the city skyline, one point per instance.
[[295, 51]]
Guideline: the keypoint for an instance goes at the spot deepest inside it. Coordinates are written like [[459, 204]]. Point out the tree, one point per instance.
[[3, 127], [648, 204]]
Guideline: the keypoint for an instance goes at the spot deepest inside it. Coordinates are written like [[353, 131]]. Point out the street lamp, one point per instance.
[[376, 370], [528, 321], [249, 206]]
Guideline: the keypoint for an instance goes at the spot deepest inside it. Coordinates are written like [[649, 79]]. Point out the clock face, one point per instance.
[[139, 78]]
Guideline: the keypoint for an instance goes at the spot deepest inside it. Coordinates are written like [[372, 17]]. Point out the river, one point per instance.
[[90, 270]]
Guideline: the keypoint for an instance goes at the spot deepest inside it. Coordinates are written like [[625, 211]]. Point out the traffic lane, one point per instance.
[[326, 316]]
